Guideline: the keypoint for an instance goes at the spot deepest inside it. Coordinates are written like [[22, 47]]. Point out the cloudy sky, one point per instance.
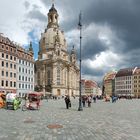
[[111, 30]]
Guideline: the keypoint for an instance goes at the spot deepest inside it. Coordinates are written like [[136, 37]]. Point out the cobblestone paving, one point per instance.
[[103, 121]]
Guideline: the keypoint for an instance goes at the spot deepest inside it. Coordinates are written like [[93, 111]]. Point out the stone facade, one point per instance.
[[136, 83], [56, 70], [16, 68], [123, 82], [108, 82], [8, 59], [25, 71]]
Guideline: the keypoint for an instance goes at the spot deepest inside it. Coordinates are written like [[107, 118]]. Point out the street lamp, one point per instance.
[[80, 98]]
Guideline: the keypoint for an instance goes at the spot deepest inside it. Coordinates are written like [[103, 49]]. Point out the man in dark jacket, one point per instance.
[[67, 101]]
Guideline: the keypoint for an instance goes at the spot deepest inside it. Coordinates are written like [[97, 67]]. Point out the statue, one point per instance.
[[57, 38]]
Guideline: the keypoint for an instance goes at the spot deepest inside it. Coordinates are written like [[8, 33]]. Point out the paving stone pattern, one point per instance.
[[102, 121]]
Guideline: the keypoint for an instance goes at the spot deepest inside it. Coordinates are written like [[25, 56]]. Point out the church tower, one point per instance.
[[53, 18], [55, 70]]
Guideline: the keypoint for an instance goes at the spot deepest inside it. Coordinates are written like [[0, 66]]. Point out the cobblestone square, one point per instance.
[[103, 121]]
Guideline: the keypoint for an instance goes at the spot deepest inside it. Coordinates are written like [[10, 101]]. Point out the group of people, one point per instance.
[[88, 100], [84, 100]]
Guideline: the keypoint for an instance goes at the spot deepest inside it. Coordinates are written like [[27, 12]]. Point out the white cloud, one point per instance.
[[104, 60], [13, 21]]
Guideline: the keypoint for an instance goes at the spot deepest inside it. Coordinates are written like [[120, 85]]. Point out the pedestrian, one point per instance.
[[83, 101], [67, 101], [94, 99], [89, 101]]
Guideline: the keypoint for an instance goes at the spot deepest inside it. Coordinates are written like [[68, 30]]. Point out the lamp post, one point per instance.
[[80, 97]]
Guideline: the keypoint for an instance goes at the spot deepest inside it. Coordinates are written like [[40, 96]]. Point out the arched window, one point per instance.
[[49, 77], [58, 75], [51, 18]]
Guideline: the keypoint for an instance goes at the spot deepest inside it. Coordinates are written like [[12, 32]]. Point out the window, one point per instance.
[[14, 84], [14, 66], [10, 74], [2, 55], [6, 74], [14, 58], [7, 64], [2, 73], [29, 71], [6, 83], [23, 62], [23, 70], [2, 83], [22, 78], [14, 75], [26, 70], [11, 57], [19, 69], [11, 65], [22, 85], [26, 79], [58, 75], [11, 49], [6, 56], [29, 79], [2, 63], [48, 75], [10, 83], [19, 77], [19, 61], [19, 85]]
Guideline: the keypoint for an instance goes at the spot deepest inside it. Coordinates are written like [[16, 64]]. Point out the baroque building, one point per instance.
[[56, 70]]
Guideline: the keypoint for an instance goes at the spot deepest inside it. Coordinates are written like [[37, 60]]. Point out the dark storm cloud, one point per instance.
[[37, 15], [89, 71], [121, 16], [70, 9], [92, 47]]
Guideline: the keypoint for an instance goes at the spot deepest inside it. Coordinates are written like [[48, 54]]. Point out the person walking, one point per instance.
[[67, 101], [89, 101], [94, 99], [84, 101]]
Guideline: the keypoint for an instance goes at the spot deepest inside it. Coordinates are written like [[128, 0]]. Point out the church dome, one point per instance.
[[53, 39], [53, 35]]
